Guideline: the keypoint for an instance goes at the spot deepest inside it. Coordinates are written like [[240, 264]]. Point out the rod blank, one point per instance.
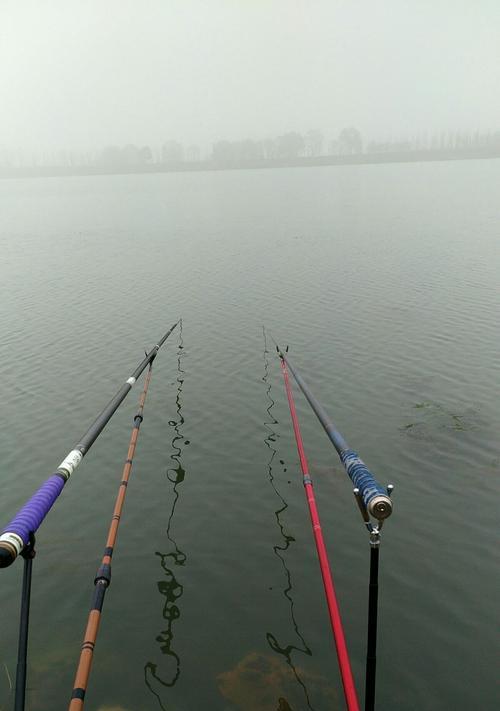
[[103, 578], [374, 496], [15, 535], [331, 598]]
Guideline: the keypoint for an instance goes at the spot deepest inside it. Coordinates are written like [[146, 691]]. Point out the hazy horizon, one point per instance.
[[83, 76]]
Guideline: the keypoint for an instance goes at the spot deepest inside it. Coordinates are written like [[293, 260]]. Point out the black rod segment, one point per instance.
[[22, 649], [16, 534], [371, 651], [102, 420]]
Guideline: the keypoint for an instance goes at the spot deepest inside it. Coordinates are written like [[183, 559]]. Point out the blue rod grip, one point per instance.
[[374, 496]]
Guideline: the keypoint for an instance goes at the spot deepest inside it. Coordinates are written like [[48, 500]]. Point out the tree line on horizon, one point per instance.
[[286, 147]]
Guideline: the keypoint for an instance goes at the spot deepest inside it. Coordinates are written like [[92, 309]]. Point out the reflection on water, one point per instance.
[[280, 548], [167, 674]]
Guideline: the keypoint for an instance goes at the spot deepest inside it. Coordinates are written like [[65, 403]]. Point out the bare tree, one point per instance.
[[172, 152], [193, 153], [290, 145], [314, 142], [350, 141]]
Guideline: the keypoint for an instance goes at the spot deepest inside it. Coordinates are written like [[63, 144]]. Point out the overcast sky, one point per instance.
[[86, 73]]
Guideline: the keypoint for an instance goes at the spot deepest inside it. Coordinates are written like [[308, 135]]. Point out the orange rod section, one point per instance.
[[103, 577]]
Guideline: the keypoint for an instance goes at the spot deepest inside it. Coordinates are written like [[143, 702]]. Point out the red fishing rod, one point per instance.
[[331, 598], [373, 500]]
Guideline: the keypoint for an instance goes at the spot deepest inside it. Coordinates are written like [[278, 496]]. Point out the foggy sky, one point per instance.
[[87, 73]]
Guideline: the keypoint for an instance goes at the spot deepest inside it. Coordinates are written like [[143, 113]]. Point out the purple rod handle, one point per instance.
[[27, 520]]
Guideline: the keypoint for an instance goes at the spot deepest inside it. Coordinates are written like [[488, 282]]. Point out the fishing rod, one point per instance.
[[375, 498], [18, 537], [372, 500], [102, 580], [331, 598], [15, 536]]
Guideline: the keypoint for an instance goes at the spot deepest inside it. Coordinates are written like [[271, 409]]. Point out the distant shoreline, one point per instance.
[[210, 165]]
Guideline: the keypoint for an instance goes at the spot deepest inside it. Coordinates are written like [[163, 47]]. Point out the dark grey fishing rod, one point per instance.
[[15, 536], [372, 499], [375, 497]]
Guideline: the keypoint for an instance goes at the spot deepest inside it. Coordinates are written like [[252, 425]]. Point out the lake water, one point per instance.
[[384, 281]]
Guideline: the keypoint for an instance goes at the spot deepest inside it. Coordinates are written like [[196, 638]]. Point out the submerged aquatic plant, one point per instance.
[[261, 682], [433, 416]]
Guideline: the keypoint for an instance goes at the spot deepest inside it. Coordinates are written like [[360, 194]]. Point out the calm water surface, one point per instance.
[[384, 281]]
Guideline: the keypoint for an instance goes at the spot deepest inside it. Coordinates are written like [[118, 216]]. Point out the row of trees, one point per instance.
[[349, 142], [172, 152], [451, 141], [128, 155], [288, 146]]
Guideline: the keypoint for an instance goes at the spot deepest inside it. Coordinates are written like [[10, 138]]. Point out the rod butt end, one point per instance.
[[7, 555], [380, 507]]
